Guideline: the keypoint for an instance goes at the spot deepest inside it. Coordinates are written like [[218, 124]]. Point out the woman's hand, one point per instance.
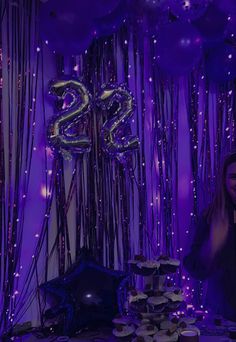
[[218, 233], [217, 238]]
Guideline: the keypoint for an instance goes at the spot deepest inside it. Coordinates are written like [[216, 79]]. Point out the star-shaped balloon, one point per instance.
[[87, 295]]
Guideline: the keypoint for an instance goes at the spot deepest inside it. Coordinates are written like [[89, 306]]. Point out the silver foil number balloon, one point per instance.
[[63, 133], [116, 133]]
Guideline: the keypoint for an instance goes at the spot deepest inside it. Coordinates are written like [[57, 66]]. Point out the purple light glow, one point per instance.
[[147, 206]]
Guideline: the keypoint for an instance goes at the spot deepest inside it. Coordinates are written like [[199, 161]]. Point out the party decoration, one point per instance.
[[180, 48], [87, 295], [227, 6], [110, 23], [101, 8], [147, 16], [212, 24], [221, 63], [67, 27], [107, 207], [188, 10], [74, 101], [115, 138]]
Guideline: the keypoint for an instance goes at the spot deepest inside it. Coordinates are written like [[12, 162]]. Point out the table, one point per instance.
[[31, 338], [210, 333]]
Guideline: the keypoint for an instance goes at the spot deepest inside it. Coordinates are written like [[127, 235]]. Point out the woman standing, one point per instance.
[[213, 252]]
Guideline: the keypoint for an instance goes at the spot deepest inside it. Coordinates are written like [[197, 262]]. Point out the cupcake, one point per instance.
[[157, 319], [165, 336], [182, 325], [133, 264], [167, 325], [188, 320], [137, 296], [157, 304], [143, 339], [146, 330], [188, 328], [147, 315], [174, 300], [137, 301], [168, 265], [170, 288], [145, 321], [123, 331], [148, 267], [174, 319]]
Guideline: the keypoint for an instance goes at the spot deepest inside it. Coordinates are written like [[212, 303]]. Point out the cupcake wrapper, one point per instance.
[[167, 269], [157, 308], [147, 271], [138, 307], [135, 269], [172, 306]]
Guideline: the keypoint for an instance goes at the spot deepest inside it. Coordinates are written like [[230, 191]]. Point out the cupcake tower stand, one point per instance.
[[152, 309]]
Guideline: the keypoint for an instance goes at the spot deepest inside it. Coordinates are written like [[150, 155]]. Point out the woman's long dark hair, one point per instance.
[[219, 206]]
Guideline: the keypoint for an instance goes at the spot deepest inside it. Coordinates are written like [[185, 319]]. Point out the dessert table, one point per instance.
[[209, 333], [107, 336]]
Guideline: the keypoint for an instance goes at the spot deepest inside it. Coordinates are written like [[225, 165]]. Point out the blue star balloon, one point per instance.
[[87, 295]]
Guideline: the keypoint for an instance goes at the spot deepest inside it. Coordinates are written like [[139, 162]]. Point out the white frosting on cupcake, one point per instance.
[[161, 336], [149, 264], [174, 262], [144, 330], [172, 289], [136, 297], [137, 259], [157, 300], [158, 318], [173, 296], [190, 328], [148, 315], [126, 331], [133, 262], [169, 261], [188, 320], [165, 325]]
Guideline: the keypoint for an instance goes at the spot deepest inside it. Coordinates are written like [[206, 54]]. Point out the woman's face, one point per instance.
[[230, 181]]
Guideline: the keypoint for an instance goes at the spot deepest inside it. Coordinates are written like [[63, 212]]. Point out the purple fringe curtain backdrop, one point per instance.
[[50, 207]]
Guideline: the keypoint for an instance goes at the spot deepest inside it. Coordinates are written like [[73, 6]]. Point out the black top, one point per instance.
[[221, 276]]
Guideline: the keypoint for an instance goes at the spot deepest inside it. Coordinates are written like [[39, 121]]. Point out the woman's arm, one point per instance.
[[208, 242], [197, 262]]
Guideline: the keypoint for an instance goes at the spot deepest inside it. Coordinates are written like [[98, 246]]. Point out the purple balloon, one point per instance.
[[68, 31], [154, 19], [227, 6], [101, 8], [111, 23], [147, 16], [213, 24], [180, 48], [188, 10], [220, 63]]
